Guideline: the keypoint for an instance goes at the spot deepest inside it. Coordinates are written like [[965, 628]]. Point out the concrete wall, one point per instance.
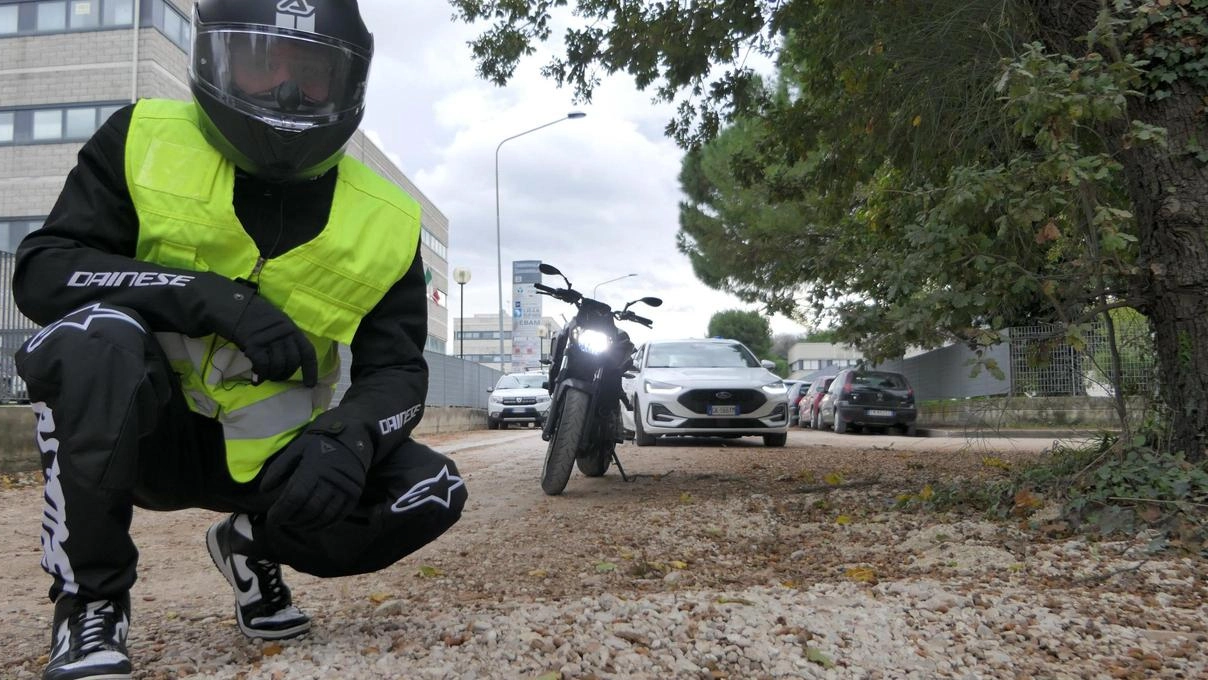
[[1007, 412], [19, 454]]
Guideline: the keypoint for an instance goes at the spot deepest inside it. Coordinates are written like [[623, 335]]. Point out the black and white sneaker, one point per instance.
[[88, 641], [263, 606]]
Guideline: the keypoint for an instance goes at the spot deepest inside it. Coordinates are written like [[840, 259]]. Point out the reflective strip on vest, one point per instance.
[[182, 190]]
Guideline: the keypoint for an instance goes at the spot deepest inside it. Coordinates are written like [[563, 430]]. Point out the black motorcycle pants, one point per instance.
[[115, 432]]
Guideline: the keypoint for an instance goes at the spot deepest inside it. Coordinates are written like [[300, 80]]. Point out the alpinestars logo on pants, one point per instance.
[[438, 489], [81, 319]]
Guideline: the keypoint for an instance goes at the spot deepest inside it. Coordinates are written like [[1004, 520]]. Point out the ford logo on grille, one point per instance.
[[723, 395]]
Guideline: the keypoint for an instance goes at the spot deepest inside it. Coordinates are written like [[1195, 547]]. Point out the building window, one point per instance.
[[51, 17], [117, 13], [81, 123], [63, 16], [434, 244], [8, 20], [12, 230], [53, 125], [48, 125], [83, 14]]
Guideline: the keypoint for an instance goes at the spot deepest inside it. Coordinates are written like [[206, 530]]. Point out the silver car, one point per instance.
[[518, 399], [704, 388]]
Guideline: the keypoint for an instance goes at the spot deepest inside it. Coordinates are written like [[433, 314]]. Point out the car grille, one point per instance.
[[518, 401], [698, 401], [722, 424]]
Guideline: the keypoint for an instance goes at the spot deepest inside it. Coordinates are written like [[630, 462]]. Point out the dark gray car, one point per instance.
[[858, 399]]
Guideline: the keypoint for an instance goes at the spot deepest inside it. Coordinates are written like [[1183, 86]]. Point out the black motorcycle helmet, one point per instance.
[[280, 84]]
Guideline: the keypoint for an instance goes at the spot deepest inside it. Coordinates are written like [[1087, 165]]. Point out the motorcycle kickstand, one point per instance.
[[620, 469]]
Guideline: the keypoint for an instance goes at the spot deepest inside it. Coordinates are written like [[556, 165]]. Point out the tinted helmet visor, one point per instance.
[[287, 81]]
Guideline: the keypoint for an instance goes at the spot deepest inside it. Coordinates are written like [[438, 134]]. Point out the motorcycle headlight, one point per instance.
[[776, 388], [594, 342], [656, 387]]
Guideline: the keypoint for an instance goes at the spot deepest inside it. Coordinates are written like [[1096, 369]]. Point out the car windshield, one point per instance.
[[514, 381], [700, 355], [884, 381]]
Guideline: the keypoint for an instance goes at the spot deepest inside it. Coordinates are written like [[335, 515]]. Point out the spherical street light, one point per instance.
[[462, 276]]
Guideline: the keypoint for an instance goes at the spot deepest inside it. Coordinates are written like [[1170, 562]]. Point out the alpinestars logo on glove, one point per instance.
[[438, 489]]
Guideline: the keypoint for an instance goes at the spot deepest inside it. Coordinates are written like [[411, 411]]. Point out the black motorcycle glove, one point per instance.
[[273, 343], [320, 480]]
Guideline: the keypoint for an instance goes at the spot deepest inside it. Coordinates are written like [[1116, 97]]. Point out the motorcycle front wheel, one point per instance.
[[560, 454]]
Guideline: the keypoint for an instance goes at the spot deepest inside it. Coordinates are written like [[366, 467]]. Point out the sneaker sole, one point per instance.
[[253, 633]]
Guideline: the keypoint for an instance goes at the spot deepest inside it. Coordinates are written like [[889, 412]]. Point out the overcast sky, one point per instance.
[[597, 197]]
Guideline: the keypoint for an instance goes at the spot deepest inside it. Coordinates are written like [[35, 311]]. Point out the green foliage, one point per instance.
[[1104, 488], [749, 328], [1172, 35]]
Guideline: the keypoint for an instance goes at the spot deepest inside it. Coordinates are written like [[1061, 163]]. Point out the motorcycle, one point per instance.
[[583, 425]]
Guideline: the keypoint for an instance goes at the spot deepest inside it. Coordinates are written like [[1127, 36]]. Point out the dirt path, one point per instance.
[[698, 520]]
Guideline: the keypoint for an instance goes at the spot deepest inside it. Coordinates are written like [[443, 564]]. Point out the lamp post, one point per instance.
[[542, 334], [593, 290], [498, 240], [462, 276]]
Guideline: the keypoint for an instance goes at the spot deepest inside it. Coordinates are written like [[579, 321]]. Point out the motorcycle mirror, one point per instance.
[[549, 269], [652, 301]]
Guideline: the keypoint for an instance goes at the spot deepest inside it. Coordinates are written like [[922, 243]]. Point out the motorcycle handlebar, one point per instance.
[[643, 320], [543, 287]]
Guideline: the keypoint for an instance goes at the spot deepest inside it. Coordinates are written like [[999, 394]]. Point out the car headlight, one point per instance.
[[593, 341], [543, 400], [656, 387], [776, 388]]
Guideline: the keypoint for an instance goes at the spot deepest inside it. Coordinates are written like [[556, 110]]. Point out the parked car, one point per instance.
[[797, 390], [519, 398], [858, 399], [808, 406], [704, 388]]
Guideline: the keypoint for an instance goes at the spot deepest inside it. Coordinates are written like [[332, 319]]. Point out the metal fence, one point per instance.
[[1043, 360], [15, 329], [451, 381]]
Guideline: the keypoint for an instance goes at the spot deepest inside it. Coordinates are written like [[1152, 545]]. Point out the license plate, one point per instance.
[[716, 410], [879, 413]]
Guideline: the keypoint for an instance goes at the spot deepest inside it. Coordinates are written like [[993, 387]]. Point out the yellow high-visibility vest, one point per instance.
[[182, 190]]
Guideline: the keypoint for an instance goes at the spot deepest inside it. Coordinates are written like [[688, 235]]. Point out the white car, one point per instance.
[[704, 388], [518, 398]]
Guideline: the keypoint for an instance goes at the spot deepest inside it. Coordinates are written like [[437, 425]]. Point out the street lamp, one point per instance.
[[498, 241], [542, 334], [593, 290], [462, 276]]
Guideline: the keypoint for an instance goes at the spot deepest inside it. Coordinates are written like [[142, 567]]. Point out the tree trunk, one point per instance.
[[1169, 191]]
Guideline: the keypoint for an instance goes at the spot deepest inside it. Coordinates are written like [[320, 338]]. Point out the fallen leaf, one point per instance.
[[862, 574], [833, 478], [378, 598], [815, 655], [843, 520], [538, 573], [685, 497], [734, 600], [428, 572], [271, 649], [927, 493], [605, 567], [677, 564]]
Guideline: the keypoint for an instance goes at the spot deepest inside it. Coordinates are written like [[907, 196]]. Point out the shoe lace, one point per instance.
[[93, 624], [272, 588]]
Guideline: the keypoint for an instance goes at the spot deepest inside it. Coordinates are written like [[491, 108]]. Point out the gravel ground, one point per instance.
[[717, 561]]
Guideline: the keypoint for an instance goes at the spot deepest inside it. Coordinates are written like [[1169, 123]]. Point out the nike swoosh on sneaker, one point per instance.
[[245, 586]]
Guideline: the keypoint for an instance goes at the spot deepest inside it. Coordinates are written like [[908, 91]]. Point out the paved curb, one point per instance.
[[1008, 434]]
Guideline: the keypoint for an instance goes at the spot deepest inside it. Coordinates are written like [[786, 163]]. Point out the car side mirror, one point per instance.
[[629, 375], [490, 389], [546, 362], [770, 365], [545, 386]]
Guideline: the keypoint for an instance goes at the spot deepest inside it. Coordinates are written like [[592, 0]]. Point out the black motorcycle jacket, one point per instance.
[[93, 227]]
